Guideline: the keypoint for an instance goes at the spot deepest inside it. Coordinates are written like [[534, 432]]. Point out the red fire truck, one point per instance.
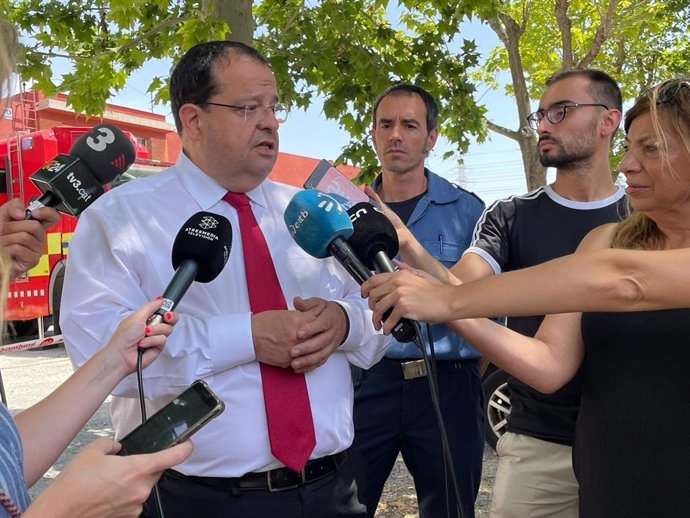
[[36, 294]]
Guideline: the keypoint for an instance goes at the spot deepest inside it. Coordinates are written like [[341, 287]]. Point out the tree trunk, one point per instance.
[[509, 32], [535, 173], [239, 17]]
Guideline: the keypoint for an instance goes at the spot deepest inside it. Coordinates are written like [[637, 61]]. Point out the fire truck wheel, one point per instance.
[[23, 328]]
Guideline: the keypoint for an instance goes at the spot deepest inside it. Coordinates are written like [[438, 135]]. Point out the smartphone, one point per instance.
[[175, 422], [328, 179]]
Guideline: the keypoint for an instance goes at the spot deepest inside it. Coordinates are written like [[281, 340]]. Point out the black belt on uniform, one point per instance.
[[279, 479], [410, 368]]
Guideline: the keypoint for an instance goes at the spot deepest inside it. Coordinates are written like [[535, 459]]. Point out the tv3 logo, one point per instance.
[[105, 137]]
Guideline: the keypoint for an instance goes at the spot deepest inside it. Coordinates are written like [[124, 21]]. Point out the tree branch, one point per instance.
[[169, 22], [515, 135], [293, 18], [602, 34], [565, 28], [498, 28]]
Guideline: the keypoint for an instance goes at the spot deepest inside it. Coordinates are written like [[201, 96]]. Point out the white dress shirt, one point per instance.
[[120, 257]]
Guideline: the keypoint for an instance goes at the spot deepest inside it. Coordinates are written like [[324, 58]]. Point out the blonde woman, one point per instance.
[[630, 445]]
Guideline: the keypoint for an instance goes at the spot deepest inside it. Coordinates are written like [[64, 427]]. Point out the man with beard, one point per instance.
[[578, 115], [393, 412]]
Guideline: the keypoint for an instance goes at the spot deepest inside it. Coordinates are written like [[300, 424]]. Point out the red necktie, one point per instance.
[[288, 413]]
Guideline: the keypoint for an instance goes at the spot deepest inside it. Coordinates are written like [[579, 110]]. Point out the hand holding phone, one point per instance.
[[328, 179], [175, 422]]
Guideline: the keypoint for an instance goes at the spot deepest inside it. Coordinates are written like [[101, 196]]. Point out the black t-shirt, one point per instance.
[[404, 209], [631, 454], [523, 231]]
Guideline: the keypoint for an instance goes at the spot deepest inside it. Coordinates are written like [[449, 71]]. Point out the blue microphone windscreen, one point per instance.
[[344, 202], [314, 220]]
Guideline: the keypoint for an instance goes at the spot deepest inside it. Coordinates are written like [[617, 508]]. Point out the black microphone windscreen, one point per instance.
[[105, 151], [205, 238], [373, 233]]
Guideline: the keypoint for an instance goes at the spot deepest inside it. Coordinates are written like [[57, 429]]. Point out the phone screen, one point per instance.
[[328, 179], [175, 422]]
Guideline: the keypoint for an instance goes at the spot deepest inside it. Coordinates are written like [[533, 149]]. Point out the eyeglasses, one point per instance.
[[556, 113], [668, 90], [251, 111]]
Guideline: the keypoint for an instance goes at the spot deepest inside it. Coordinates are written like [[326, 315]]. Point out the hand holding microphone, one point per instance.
[[320, 226], [23, 241], [375, 240], [71, 182], [200, 251]]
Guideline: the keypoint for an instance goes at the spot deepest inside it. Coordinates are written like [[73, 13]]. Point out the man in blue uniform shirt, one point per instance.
[[393, 410]]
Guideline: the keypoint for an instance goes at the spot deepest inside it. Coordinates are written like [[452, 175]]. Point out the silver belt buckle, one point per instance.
[[413, 369], [284, 488]]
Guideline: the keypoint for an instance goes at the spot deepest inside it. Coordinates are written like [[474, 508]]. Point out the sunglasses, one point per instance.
[[668, 90]]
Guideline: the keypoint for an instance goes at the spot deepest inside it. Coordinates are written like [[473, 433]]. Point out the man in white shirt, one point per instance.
[[225, 103]]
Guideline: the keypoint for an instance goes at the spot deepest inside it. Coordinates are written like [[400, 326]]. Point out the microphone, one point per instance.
[[199, 253], [320, 226], [375, 240], [71, 182]]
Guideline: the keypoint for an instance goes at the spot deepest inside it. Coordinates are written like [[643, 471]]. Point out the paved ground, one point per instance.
[[30, 375]]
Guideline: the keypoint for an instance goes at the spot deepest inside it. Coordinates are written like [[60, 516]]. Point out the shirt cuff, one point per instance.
[[231, 341], [355, 330]]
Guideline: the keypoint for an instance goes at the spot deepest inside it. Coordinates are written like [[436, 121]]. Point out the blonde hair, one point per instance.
[[8, 56], [667, 102], [4, 281], [8, 51]]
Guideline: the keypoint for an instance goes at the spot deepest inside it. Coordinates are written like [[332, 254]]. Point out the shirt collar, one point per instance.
[[204, 189], [440, 190], [437, 188]]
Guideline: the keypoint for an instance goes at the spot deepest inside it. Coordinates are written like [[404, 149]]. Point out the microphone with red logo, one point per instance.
[[71, 182]]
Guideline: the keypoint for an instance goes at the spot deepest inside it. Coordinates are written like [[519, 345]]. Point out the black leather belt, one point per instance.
[[279, 479]]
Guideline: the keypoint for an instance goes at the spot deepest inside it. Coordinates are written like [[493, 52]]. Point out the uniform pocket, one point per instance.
[[444, 250]]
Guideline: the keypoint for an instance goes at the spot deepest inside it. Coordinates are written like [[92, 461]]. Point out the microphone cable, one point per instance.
[[3, 396], [430, 365], [142, 406]]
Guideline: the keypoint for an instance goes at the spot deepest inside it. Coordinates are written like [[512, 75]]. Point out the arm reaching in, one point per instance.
[[72, 404], [24, 240], [410, 295], [595, 278], [545, 362], [411, 250], [100, 484]]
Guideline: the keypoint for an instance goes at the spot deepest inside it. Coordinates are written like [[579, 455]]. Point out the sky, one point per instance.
[[492, 170]]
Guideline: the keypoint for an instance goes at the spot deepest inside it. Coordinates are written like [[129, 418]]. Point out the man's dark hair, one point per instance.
[[407, 89], [603, 88], [192, 80]]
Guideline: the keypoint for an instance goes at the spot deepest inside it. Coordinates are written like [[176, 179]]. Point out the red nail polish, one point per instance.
[[159, 297], [168, 315], [147, 330]]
